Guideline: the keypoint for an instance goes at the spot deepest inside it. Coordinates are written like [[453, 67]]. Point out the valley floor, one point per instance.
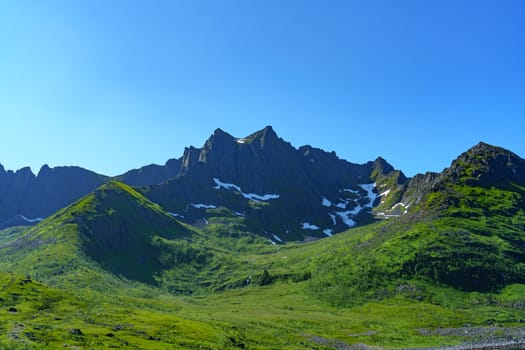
[[272, 317]]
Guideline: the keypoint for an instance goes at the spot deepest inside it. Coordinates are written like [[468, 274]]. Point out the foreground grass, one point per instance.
[[277, 316]]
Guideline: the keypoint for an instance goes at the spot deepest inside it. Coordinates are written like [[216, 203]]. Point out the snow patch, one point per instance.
[[405, 207], [241, 141], [369, 188], [350, 190], [387, 216], [356, 210], [257, 197], [333, 218], [205, 221], [277, 238], [225, 185], [250, 196], [328, 232], [400, 204], [345, 216], [238, 214], [326, 202], [272, 242], [31, 220], [176, 215], [205, 206], [308, 226], [384, 194]]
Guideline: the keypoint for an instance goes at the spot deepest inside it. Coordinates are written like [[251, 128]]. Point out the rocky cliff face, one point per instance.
[[283, 191], [294, 194], [27, 197]]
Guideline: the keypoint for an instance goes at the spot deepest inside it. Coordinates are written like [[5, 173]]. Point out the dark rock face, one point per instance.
[[151, 174], [294, 193], [419, 186], [305, 185], [26, 196]]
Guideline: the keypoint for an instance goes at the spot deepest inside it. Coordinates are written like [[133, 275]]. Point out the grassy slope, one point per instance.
[[283, 314], [374, 284]]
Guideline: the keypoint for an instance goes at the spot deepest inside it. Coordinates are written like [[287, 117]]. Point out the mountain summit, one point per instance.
[[281, 191], [488, 165]]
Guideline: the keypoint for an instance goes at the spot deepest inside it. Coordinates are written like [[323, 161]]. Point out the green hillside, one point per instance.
[[119, 271]]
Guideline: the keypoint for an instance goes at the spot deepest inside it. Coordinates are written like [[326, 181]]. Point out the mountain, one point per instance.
[[113, 227], [444, 267], [486, 165], [463, 228], [283, 193], [26, 198], [259, 177]]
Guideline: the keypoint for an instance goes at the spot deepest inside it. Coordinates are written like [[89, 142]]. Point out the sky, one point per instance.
[[111, 85]]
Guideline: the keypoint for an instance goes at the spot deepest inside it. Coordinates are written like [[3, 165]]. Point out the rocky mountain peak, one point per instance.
[[44, 170], [382, 166], [25, 171], [220, 134], [262, 138], [487, 165]]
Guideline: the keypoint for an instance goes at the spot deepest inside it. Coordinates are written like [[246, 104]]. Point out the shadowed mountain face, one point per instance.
[[295, 194], [151, 174], [114, 226], [26, 198], [280, 190]]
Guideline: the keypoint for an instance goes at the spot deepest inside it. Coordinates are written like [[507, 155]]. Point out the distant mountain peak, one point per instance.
[[25, 171], [221, 133], [268, 130], [485, 148], [488, 165], [381, 165], [266, 133], [44, 170]]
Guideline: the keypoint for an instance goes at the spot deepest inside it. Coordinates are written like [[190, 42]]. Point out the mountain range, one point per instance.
[[253, 243], [294, 194]]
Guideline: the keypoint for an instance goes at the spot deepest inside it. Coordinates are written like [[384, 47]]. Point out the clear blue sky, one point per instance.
[[112, 85]]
